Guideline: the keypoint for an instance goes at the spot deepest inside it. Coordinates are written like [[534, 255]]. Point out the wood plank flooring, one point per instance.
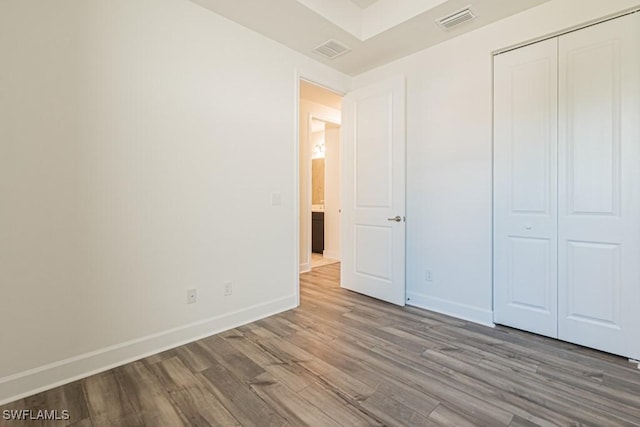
[[342, 359], [318, 260]]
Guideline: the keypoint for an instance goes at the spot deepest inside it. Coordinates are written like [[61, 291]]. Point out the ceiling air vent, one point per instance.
[[331, 49], [456, 18]]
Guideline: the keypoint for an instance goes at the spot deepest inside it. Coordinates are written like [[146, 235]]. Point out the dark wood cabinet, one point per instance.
[[317, 232]]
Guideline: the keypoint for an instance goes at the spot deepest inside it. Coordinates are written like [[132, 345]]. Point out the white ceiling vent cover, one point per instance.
[[332, 49], [456, 18]]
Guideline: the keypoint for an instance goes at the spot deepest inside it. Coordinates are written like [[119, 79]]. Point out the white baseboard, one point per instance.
[[305, 267], [43, 378], [450, 308]]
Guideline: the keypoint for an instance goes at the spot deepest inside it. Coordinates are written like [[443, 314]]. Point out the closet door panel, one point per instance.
[[591, 90], [593, 283], [599, 186], [525, 183]]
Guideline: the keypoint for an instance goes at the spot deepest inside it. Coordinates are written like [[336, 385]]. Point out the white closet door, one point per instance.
[[525, 188], [599, 187]]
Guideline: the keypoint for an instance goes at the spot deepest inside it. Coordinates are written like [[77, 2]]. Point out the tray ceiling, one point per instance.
[[377, 31]]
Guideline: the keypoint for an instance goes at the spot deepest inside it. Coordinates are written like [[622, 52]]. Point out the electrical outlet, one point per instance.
[[428, 276], [192, 296], [228, 288]]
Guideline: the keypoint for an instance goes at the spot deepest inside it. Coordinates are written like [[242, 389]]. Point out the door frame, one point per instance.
[[334, 86], [309, 161]]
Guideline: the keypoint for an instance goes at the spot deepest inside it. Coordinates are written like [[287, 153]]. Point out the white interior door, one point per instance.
[[599, 186], [373, 191], [525, 188]]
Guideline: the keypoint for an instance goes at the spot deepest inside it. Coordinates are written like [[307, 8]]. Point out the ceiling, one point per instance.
[[363, 4], [377, 31]]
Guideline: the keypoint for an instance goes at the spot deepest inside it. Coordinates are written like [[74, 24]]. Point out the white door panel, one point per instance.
[[599, 185], [373, 190], [374, 251], [529, 274], [593, 283], [373, 143], [525, 218]]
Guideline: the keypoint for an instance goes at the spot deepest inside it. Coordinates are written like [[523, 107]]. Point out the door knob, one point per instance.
[[396, 218], [528, 226]]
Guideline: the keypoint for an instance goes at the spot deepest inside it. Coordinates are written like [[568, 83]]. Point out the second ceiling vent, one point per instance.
[[456, 18], [332, 49]]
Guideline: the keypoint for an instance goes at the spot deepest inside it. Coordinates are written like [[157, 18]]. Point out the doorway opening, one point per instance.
[[320, 126], [370, 214]]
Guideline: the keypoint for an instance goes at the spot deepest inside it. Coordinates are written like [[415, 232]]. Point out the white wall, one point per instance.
[[449, 154], [317, 138], [332, 193], [308, 110], [140, 142]]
